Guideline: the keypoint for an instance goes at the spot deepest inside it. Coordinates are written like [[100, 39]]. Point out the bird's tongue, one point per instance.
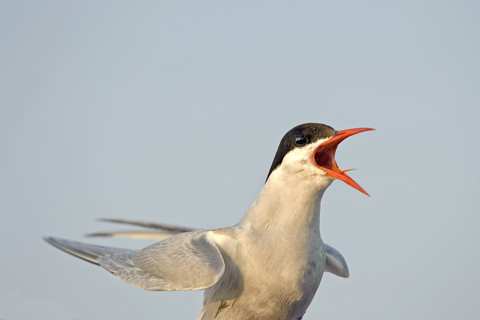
[[324, 157]]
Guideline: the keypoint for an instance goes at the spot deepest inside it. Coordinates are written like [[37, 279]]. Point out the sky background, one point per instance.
[[171, 111]]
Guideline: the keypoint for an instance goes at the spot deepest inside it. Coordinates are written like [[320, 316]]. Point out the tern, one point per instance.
[[269, 265]]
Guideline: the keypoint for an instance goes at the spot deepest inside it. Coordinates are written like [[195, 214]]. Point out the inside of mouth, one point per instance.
[[324, 157]]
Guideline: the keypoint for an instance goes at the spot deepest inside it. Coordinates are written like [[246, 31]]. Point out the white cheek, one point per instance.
[[297, 160], [300, 160]]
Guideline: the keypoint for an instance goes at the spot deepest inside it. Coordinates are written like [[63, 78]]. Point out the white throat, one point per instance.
[[287, 201], [291, 196]]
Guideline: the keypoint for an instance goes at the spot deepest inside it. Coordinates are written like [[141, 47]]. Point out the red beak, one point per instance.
[[324, 157]]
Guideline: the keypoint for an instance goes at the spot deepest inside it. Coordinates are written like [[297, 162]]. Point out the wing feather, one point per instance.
[[336, 263], [187, 261], [133, 234], [152, 225]]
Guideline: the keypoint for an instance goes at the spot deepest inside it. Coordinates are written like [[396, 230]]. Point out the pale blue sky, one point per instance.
[[172, 112]]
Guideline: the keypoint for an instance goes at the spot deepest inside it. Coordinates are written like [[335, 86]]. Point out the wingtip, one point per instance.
[[76, 249], [113, 220], [51, 240], [58, 243], [98, 234]]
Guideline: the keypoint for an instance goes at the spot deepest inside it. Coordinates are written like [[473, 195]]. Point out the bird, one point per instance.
[[267, 266]]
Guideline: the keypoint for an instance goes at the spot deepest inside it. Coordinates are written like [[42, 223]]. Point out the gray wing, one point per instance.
[[133, 234], [336, 263], [152, 225], [160, 230], [187, 261]]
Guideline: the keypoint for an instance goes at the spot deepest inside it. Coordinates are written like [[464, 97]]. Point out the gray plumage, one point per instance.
[[187, 261]]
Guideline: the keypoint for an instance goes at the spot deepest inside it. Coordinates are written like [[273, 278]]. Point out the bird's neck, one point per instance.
[[285, 202]]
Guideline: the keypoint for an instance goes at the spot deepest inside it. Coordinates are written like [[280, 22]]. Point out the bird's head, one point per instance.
[[307, 153]]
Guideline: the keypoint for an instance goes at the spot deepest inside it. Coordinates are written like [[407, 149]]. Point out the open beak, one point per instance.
[[324, 157]]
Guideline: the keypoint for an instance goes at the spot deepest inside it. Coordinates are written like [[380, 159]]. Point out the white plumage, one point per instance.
[[268, 266]]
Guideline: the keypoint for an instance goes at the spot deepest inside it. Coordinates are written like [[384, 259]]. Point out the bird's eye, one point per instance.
[[300, 141]]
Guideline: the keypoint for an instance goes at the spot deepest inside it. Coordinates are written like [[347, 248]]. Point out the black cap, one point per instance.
[[299, 137]]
